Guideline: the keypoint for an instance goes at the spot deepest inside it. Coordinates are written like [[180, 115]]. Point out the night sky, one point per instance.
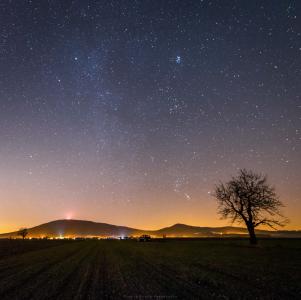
[[128, 112]]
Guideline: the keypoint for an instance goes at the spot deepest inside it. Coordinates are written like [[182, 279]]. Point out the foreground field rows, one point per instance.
[[172, 269]]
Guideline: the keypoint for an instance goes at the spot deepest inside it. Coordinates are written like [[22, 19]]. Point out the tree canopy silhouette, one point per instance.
[[23, 232], [249, 199]]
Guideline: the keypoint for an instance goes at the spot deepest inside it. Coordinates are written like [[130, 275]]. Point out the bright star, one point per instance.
[[187, 196]]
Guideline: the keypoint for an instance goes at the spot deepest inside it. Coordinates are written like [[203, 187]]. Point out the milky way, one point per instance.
[[129, 112]]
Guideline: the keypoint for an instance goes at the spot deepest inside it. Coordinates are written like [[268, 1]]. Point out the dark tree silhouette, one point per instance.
[[23, 232], [249, 199]]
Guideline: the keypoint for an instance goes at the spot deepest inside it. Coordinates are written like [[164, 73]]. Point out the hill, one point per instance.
[[75, 228], [81, 228]]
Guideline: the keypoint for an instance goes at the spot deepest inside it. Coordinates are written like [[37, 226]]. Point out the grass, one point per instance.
[[171, 269]]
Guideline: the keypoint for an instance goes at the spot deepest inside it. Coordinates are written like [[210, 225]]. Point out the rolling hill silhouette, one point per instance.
[[77, 228], [81, 228]]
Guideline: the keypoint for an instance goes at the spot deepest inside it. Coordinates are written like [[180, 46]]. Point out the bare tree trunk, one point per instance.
[[252, 235]]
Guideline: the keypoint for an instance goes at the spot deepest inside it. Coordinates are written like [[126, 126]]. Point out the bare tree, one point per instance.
[[23, 232], [249, 199]]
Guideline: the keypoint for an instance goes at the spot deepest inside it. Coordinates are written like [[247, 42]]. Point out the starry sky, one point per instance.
[[129, 112]]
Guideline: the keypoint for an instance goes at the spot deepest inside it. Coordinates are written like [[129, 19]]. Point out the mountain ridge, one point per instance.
[[86, 228]]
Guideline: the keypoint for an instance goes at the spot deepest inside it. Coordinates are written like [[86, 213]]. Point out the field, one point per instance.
[[170, 269]]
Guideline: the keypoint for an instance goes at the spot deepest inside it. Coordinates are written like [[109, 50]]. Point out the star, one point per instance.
[[178, 59]]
